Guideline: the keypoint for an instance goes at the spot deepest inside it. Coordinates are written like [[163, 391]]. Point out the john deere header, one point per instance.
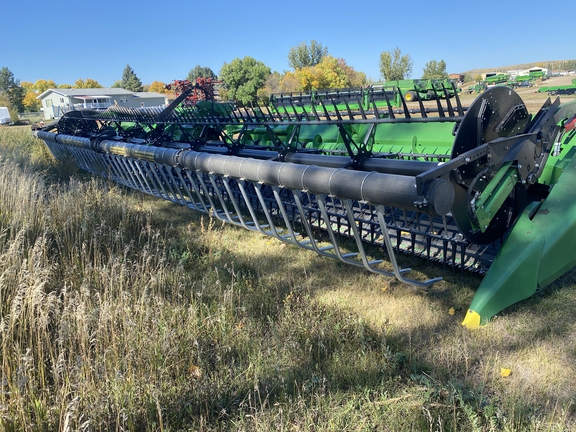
[[486, 188]]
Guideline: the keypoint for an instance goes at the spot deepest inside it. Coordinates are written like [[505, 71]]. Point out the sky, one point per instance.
[[163, 40]]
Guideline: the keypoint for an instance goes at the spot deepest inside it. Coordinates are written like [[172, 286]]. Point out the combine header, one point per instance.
[[487, 188]]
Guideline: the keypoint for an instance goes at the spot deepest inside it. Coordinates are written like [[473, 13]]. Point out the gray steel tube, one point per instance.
[[397, 190], [63, 139], [376, 188], [382, 165]]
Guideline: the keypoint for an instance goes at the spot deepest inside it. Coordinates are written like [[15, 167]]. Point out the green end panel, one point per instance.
[[538, 250], [514, 274]]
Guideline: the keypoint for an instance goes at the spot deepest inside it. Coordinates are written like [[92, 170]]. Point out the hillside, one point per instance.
[[544, 63]]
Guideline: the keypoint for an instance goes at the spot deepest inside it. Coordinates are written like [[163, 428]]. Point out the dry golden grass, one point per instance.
[[123, 312]]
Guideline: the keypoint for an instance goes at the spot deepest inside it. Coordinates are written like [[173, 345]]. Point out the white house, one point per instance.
[[56, 102]]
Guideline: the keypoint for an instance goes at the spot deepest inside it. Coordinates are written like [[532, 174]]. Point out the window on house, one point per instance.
[[48, 103], [61, 100]]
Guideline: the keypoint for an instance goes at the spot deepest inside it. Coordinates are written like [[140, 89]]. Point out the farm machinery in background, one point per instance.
[[497, 78], [500, 80], [423, 89], [559, 90], [478, 87], [486, 188], [189, 93], [394, 93]]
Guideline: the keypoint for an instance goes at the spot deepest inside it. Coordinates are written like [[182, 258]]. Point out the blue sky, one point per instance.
[[67, 40]]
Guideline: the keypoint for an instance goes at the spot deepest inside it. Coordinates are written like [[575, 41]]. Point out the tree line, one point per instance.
[[244, 80]]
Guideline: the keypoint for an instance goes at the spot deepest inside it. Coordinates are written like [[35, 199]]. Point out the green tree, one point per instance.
[[243, 78], [12, 91], [64, 86], [435, 70], [200, 72], [303, 55], [129, 80], [395, 66]]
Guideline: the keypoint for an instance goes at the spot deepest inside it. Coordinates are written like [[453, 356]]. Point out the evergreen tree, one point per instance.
[[130, 81], [200, 72]]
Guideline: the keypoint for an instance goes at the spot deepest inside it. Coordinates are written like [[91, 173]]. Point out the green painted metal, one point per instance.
[[411, 138], [478, 87], [514, 274], [563, 89], [539, 248], [424, 89], [354, 99], [497, 79], [495, 194]]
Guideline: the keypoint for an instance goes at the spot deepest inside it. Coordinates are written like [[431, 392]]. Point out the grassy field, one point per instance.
[[120, 312]]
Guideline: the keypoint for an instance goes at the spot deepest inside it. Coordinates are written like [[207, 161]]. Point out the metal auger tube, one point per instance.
[[375, 188]]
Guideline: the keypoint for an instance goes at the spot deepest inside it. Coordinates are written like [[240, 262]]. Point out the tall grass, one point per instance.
[[122, 312]]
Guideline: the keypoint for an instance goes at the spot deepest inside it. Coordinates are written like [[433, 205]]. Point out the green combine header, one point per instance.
[[486, 188], [423, 89], [559, 90], [499, 78]]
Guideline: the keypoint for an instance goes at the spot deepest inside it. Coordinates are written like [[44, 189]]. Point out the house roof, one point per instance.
[[86, 92], [92, 97], [100, 92], [146, 95]]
